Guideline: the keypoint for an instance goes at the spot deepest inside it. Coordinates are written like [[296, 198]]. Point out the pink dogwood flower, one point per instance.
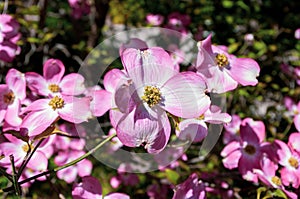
[[90, 187], [53, 83], [9, 36], [178, 22], [222, 70], [246, 153], [267, 174], [43, 112], [290, 160], [190, 188], [154, 88], [154, 19], [19, 149], [11, 96]]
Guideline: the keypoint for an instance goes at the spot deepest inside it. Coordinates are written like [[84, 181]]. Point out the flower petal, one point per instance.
[[53, 70], [244, 71], [37, 122], [114, 78], [192, 129], [153, 66], [37, 83], [12, 113], [101, 103], [139, 127], [72, 84], [17, 83], [75, 110], [183, 95]]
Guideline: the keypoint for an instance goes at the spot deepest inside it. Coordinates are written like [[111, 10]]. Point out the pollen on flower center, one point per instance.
[[152, 95], [250, 149], [56, 103], [276, 180], [54, 88], [293, 162], [27, 147], [9, 98], [221, 60]]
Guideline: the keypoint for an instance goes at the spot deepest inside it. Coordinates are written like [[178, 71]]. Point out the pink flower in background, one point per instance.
[[124, 177], [170, 157], [222, 70], [90, 187], [157, 191], [19, 149], [290, 160], [232, 130], [293, 111], [43, 112], [267, 174], [154, 19], [63, 142], [53, 83], [79, 8], [297, 33], [154, 88], [82, 168], [9, 36], [178, 22], [11, 95], [190, 188], [246, 153]]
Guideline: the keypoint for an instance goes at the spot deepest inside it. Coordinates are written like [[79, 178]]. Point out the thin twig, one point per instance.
[[14, 176], [66, 165]]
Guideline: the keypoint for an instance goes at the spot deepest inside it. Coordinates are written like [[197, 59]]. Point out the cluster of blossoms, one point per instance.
[[258, 159], [143, 100], [9, 36]]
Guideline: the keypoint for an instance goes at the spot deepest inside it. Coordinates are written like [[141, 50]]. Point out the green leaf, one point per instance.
[[279, 193], [172, 176], [233, 47], [33, 40], [227, 3], [47, 37]]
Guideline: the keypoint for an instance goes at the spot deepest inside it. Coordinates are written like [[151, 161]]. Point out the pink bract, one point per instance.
[[190, 188]]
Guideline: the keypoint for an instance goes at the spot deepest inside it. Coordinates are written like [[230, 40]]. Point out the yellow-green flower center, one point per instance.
[[221, 60], [56, 103], [276, 180], [250, 149], [293, 162], [54, 88], [27, 147], [9, 98], [152, 95]]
